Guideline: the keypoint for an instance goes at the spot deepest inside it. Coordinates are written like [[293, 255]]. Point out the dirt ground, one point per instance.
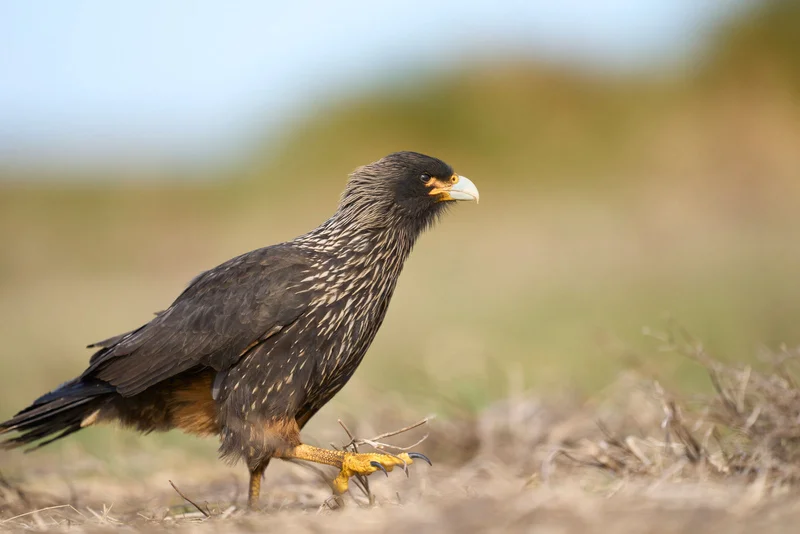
[[633, 459], [470, 499]]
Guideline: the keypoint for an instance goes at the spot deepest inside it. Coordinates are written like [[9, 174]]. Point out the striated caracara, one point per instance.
[[253, 348]]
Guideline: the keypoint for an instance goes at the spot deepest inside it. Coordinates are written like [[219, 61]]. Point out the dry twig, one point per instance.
[[187, 499], [3, 522]]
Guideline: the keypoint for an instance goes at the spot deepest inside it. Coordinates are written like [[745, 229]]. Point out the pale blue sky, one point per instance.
[[94, 80]]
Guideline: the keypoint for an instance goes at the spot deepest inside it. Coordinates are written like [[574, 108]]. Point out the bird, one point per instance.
[[253, 348]]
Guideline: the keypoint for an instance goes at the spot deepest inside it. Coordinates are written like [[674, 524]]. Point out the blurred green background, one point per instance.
[[612, 199]]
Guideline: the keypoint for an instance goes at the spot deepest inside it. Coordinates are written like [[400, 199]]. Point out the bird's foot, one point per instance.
[[367, 463]]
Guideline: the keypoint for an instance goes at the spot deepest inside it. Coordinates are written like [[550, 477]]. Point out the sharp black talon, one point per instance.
[[420, 456], [378, 465]]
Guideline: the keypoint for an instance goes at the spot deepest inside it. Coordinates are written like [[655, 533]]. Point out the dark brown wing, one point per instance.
[[221, 314]]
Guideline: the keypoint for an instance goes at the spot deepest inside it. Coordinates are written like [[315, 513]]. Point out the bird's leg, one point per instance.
[[351, 463], [255, 485]]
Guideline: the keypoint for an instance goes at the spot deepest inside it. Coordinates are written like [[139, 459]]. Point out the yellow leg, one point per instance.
[[350, 463], [255, 485]]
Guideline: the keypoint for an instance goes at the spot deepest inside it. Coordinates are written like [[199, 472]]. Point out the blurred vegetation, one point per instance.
[[763, 46], [610, 203]]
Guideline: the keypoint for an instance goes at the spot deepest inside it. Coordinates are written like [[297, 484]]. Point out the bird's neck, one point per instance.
[[345, 237]]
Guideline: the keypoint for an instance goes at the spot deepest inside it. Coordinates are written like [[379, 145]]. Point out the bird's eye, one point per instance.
[[424, 177]]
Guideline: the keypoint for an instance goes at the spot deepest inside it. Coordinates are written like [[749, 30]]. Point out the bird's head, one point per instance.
[[409, 186]]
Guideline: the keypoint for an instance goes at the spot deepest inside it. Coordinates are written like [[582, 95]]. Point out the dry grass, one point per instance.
[[635, 458], [747, 430]]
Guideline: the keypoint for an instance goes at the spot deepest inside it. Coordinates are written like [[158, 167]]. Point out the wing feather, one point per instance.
[[218, 317]]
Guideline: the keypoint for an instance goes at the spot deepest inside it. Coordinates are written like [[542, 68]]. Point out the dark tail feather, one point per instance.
[[60, 413]]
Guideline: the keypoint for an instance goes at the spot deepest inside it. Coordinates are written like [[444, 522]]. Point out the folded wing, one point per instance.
[[221, 314]]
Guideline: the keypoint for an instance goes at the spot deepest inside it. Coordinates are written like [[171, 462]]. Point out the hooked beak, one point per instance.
[[456, 188], [464, 189]]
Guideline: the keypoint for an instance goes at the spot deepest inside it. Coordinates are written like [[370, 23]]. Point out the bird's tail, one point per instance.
[[57, 414]]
